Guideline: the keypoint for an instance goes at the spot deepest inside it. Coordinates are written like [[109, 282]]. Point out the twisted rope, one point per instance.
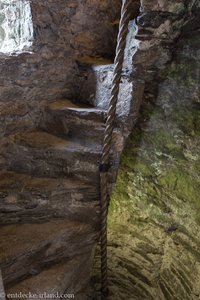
[[104, 167]]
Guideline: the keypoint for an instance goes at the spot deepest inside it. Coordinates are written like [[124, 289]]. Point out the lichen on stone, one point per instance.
[[154, 219]]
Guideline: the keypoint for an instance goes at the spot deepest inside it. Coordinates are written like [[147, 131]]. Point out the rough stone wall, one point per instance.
[[63, 31], [159, 26], [154, 216], [45, 77]]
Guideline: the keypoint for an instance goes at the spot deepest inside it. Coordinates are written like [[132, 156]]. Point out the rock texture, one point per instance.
[[50, 146], [50, 204], [49, 149], [61, 34], [154, 217], [56, 245]]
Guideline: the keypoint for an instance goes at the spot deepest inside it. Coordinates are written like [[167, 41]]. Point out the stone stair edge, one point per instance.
[[30, 139], [50, 242], [24, 178]]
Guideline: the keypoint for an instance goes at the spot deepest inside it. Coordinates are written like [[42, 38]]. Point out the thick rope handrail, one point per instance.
[[107, 143]]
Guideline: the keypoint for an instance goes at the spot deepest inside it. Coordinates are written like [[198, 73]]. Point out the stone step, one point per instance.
[[28, 249], [25, 198], [67, 278], [95, 80], [66, 118], [42, 154]]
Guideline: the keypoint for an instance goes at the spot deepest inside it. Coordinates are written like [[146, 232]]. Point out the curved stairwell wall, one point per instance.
[[50, 147], [154, 214]]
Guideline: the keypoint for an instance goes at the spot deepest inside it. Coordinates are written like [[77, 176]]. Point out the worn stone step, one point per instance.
[[95, 83], [68, 279], [95, 80], [28, 249], [42, 154], [25, 198], [67, 118]]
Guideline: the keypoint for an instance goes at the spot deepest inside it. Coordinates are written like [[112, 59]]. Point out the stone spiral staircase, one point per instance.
[[49, 192]]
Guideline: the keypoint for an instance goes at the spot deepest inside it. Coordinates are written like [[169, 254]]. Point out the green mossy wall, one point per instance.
[[154, 220]]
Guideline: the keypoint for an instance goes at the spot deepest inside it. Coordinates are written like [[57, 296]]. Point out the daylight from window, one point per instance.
[[16, 27]]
